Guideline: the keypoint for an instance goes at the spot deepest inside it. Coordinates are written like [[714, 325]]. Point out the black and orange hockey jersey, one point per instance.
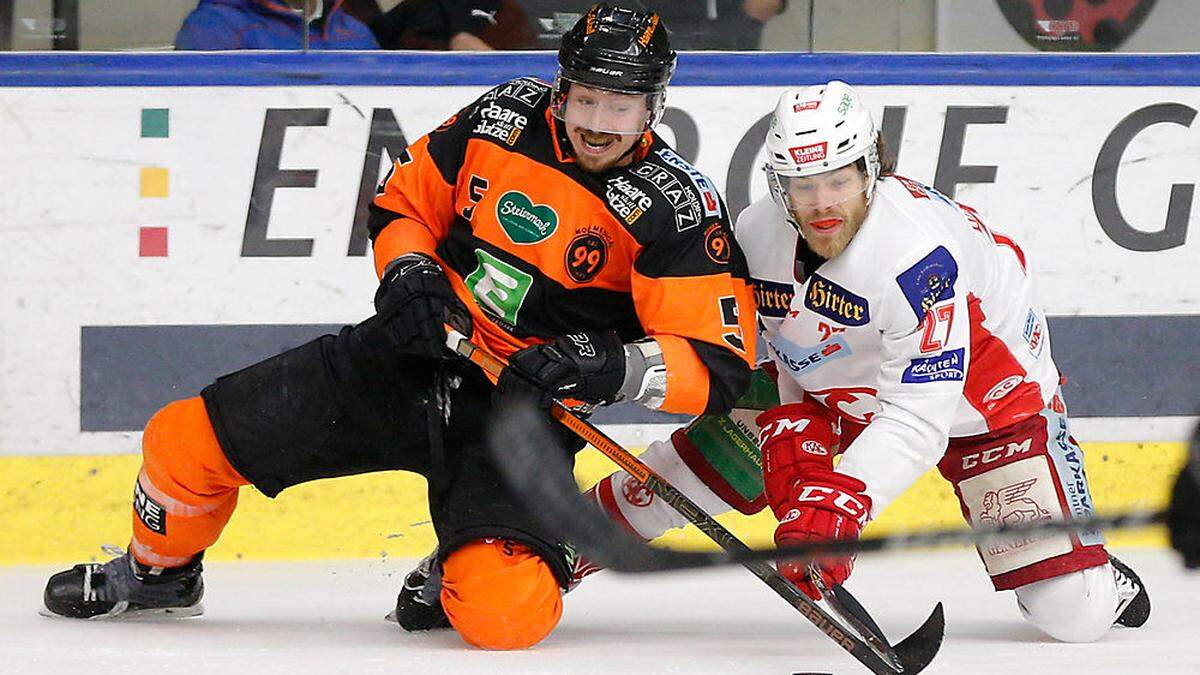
[[537, 248]]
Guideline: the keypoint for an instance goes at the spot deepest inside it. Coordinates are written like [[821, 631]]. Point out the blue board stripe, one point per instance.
[[262, 68], [1118, 366]]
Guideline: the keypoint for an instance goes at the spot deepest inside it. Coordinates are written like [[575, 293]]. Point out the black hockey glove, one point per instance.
[[415, 301], [588, 367], [1183, 514]]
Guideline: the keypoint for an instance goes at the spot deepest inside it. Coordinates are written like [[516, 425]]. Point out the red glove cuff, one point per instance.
[[797, 441]]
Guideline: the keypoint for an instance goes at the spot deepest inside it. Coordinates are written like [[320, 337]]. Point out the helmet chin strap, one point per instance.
[[633, 148]]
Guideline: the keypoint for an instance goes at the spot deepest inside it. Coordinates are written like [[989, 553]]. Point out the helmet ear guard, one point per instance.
[[817, 129]]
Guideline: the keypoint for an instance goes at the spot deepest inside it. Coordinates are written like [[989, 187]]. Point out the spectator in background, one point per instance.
[[692, 24], [454, 24], [734, 25], [271, 24]]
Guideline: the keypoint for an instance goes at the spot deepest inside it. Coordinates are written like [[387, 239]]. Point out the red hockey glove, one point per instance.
[[797, 439], [832, 507], [811, 500]]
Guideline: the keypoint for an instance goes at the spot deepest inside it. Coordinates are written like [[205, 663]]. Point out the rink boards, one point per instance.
[[170, 217], [63, 508]]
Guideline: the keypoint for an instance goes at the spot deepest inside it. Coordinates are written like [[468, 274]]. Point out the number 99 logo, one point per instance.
[[586, 256], [716, 244]]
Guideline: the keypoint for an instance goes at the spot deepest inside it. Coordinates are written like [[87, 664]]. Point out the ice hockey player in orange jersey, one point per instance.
[[556, 229]]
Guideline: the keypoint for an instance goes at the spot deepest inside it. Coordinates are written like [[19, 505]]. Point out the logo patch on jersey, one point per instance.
[[709, 200], [523, 221], [929, 281], [773, 298], [803, 360], [807, 105], [627, 199], [853, 403], [152, 514], [834, 302], [499, 287], [528, 92], [500, 123], [716, 244], [804, 154], [1033, 333], [586, 256], [682, 199], [949, 365], [1001, 389]]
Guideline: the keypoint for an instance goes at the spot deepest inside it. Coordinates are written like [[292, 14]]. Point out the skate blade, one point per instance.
[[391, 617], [135, 614]]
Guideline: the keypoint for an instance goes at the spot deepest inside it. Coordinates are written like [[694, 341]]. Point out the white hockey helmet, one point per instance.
[[817, 129]]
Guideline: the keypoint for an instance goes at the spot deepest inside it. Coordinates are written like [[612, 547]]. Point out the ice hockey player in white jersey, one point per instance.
[[906, 335]]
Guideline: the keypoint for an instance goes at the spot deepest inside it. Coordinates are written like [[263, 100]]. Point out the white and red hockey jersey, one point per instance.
[[925, 327]]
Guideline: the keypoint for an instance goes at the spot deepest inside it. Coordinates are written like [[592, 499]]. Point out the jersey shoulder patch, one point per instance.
[[504, 112], [678, 193], [929, 281], [524, 92], [710, 199]]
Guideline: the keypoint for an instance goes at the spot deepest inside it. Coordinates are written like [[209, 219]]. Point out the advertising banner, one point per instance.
[[156, 233]]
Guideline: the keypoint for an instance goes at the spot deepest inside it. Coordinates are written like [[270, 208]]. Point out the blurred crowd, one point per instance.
[[451, 24]]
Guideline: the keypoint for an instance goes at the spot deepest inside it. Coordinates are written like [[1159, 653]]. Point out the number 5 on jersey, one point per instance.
[[729, 319]]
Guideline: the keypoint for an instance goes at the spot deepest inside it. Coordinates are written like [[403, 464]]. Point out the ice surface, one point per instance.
[[327, 617]]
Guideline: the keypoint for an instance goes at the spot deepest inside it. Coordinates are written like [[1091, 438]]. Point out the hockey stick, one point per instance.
[[619, 556], [529, 467]]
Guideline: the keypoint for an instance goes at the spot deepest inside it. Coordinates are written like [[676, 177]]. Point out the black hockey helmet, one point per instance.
[[617, 49]]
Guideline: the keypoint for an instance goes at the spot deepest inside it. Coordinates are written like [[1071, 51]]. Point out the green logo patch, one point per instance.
[[499, 287], [523, 221]]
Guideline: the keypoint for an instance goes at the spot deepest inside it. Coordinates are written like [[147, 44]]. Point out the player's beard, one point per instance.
[[829, 245], [614, 153]]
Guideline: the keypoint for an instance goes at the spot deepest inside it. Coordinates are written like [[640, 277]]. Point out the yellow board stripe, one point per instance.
[[60, 509]]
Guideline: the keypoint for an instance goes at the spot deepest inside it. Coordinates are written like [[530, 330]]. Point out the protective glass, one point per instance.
[[820, 191], [604, 111]]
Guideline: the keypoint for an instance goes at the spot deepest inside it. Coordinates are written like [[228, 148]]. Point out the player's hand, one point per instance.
[[588, 367], [1183, 515], [797, 442], [831, 508], [415, 301], [810, 499]]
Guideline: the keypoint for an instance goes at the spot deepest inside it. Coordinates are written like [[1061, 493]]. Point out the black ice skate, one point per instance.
[[1133, 602], [123, 587], [419, 604]]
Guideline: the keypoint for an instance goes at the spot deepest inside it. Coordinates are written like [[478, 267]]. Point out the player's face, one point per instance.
[[603, 125], [830, 207]]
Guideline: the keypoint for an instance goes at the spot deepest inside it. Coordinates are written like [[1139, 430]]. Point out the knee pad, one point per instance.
[[1076, 607], [186, 490], [180, 448], [500, 595]]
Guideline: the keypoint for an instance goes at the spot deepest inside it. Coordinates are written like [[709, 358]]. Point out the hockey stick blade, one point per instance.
[[917, 650], [535, 470]]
